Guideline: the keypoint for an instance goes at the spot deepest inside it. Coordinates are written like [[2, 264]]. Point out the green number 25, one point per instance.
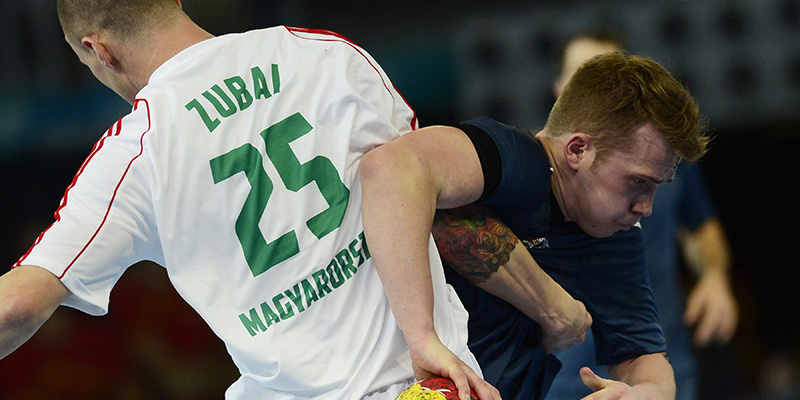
[[260, 254]]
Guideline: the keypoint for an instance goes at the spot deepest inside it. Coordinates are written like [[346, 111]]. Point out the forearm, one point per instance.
[[649, 375], [523, 284], [711, 306], [402, 184], [485, 252], [706, 249], [28, 296], [396, 216]]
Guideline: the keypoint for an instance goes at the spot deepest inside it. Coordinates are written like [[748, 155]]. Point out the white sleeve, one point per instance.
[[104, 222]]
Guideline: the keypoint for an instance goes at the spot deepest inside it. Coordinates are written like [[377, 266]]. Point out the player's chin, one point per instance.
[[625, 227], [602, 231]]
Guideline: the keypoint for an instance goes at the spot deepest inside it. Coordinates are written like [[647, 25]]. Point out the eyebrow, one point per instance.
[[656, 180]]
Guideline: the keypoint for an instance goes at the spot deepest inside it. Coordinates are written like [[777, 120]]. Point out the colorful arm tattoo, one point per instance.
[[473, 242]]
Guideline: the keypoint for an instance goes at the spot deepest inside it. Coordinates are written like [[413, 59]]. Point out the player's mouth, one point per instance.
[[626, 227]]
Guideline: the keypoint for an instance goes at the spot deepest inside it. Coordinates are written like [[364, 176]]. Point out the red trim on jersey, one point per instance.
[[338, 37], [114, 130]]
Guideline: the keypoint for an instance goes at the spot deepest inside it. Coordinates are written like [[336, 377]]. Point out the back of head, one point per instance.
[[600, 41], [124, 19], [613, 94]]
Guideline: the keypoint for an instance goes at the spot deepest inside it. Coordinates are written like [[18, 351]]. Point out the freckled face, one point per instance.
[[617, 192]]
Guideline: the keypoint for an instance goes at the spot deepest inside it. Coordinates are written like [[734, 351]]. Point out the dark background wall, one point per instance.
[[451, 60]]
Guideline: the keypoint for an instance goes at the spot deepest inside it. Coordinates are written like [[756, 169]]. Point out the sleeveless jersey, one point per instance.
[[237, 170]]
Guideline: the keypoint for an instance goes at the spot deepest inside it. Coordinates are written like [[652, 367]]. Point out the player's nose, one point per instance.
[[643, 206]]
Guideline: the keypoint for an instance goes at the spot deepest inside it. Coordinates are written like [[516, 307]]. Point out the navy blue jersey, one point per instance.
[[608, 275], [683, 203]]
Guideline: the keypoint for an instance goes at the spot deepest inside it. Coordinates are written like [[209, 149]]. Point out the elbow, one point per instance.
[[16, 309], [18, 322], [379, 162], [370, 164], [386, 169], [28, 296]]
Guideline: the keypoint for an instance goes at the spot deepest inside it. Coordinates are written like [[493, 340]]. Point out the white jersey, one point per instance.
[[237, 170]]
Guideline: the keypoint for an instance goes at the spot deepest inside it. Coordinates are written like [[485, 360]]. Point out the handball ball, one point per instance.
[[432, 389]]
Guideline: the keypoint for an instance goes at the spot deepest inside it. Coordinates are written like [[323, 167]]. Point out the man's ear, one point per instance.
[[577, 150], [100, 50]]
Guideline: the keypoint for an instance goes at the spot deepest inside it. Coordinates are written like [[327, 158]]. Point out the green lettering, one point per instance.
[[276, 79], [364, 247], [310, 294], [335, 274], [225, 112], [239, 90], [260, 255], [270, 315], [346, 262], [296, 297], [296, 176], [356, 253], [253, 323], [260, 84], [284, 313], [211, 124], [321, 278]]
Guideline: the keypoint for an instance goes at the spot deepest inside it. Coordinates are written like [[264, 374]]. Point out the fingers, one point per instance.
[[693, 309], [715, 318], [493, 392], [591, 380], [432, 358], [552, 343], [714, 328], [471, 381], [462, 384], [702, 335], [728, 329], [573, 333]]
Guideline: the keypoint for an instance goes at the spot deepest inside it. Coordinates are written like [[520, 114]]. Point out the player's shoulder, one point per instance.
[[137, 122], [497, 128], [511, 140]]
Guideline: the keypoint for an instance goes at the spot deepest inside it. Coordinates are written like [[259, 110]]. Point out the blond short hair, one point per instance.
[[125, 19], [614, 94]]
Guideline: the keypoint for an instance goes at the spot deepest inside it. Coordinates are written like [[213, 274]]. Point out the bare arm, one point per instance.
[[484, 251], [28, 296], [710, 306], [647, 377], [403, 182]]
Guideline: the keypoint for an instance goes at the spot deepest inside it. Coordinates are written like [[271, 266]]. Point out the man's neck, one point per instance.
[[164, 45], [557, 178]]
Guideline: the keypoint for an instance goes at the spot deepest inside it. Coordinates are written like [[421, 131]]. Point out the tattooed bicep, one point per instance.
[[472, 241]]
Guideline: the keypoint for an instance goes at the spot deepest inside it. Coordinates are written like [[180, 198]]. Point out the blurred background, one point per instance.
[[452, 61]]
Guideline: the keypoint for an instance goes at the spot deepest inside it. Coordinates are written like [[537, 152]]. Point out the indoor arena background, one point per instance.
[[452, 60]]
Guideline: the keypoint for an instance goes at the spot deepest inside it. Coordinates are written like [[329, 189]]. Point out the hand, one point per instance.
[[606, 389], [430, 358], [712, 309], [567, 327]]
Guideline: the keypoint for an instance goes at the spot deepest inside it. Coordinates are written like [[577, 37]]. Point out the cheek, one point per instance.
[[611, 205]]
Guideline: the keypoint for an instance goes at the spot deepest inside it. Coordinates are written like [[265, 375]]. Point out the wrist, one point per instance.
[[717, 274], [421, 333]]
